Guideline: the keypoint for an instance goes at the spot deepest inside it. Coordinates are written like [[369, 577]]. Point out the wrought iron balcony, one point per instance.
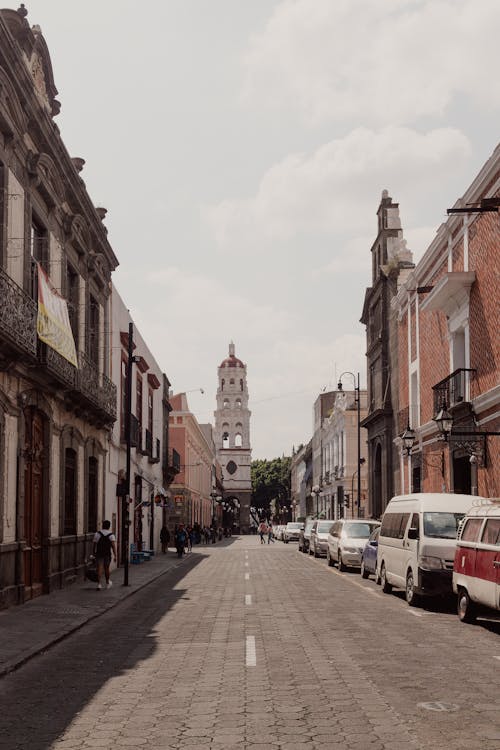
[[453, 390], [56, 368], [18, 312], [173, 466]]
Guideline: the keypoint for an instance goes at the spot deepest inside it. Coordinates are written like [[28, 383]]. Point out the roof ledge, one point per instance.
[[451, 293]]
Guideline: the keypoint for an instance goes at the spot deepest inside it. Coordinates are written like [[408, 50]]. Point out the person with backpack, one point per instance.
[[181, 539], [104, 545]]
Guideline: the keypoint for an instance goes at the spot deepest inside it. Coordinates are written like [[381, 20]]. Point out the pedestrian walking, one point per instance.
[[164, 539], [262, 531], [189, 540], [180, 540], [104, 545], [270, 534]]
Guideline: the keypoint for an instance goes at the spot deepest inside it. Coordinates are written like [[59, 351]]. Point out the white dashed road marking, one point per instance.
[[251, 655], [248, 598], [412, 612]]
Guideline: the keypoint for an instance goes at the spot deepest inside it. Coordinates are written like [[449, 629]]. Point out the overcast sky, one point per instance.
[[241, 147]]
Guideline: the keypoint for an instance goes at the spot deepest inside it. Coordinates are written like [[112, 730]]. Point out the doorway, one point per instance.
[[34, 454], [377, 508], [462, 483]]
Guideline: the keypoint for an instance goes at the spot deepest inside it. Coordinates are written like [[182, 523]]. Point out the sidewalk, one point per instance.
[[30, 628]]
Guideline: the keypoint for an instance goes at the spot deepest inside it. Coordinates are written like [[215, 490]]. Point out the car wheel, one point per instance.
[[386, 586], [315, 551], [310, 549], [412, 597], [342, 567], [466, 609], [364, 572]]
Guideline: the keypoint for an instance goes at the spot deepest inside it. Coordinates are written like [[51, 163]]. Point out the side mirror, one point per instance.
[[412, 533]]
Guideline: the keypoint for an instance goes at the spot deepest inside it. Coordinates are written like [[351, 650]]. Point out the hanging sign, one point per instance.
[[52, 325]]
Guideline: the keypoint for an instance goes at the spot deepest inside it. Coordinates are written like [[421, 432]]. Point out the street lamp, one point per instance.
[[316, 489], [408, 438], [215, 499], [444, 422], [357, 401]]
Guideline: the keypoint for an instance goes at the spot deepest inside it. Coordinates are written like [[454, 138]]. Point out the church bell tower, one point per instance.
[[232, 433]]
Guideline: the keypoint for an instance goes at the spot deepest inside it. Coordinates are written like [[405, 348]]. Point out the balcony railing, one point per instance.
[[453, 390], [18, 312]]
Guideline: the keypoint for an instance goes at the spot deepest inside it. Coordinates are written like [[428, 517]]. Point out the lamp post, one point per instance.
[[357, 401], [316, 489], [408, 438]]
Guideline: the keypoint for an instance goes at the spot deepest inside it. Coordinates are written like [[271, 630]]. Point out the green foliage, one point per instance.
[[271, 480]]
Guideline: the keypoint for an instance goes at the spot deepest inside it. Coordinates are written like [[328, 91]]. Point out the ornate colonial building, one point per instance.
[[57, 402], [391, 264], [232, 434]]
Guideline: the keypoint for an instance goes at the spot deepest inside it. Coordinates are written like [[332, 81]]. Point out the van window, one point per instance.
[[442, 525], [394, 525], [491, 533], [470, 531], [358, 530], [415, 522]]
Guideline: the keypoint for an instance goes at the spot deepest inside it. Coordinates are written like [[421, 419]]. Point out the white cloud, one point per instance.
[[334, 190], [391, 61]]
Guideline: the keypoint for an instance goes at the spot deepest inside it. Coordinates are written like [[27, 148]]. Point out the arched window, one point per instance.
[[238, 403], [225, 440], [226, 403], [223, 382], [241, 384], [238, 440], [69, 526], [231, 382]]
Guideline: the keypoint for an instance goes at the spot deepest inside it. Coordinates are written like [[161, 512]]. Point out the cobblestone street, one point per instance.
[[250, 646]]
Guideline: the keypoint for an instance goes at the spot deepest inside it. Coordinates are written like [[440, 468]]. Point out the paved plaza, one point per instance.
[[250, 646]]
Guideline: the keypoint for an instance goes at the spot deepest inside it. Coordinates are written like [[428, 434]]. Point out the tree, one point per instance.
[[271, 481]]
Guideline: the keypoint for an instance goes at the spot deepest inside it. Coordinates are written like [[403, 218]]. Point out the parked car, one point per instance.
[[346, 540], [278, 532], [369, 555], [476, 570], [292, 531], [305, 536], [319, 537], [417, 542]]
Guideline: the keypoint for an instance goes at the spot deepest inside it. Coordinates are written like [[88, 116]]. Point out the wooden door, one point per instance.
[[33, 502]]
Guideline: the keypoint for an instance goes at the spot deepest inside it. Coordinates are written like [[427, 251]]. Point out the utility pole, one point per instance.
[[128, 435]]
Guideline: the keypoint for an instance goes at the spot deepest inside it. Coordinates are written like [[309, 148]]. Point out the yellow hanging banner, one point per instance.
[[52, 325]]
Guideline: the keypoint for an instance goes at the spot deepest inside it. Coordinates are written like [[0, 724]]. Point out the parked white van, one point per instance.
[[417, 543]]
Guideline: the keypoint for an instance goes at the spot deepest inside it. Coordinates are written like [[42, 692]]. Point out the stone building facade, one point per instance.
[[339, 448], [149, 434], [391, 263], [449, 348], [232, 435], [192, 487], [55, 414]]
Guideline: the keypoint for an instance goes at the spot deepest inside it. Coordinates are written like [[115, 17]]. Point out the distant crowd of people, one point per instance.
[[185, 537]]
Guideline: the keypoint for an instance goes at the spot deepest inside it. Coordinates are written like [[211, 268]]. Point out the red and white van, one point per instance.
[[476, 569]]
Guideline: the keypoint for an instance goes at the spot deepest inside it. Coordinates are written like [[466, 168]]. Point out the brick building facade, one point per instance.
[[449, 348]]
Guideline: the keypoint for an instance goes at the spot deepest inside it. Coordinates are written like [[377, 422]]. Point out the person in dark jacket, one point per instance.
[[164, 539], [181, 538]]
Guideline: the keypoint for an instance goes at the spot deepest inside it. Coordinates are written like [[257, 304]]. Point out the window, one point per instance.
[[138, 402], [92, 493], [442, 525], [72, 294], [238, 440], [225, 440], [231, 467], [231, 382], [39, 253], [491, 533], [241, 384], [238, 403], [394, 525], [358, 530], [225, 403], [470, 532], [93, 330], [223, 382], [69, 526], [415, 522], [123, 397], [150, 410]]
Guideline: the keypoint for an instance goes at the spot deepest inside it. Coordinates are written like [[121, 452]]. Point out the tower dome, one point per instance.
[[231, 360]]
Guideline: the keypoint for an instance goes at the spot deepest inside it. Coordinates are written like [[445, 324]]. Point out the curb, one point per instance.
[[9, 667]]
